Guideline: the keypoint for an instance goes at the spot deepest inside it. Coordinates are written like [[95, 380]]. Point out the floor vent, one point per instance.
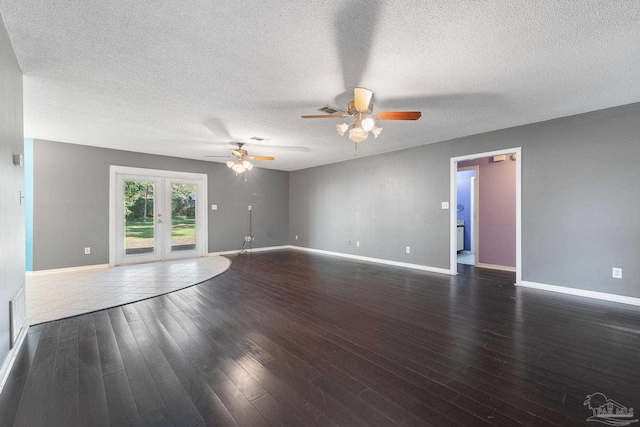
[[18, 313]]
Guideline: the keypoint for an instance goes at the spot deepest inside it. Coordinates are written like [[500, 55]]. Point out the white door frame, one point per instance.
[[201, 201], [474, 215], [453, 192]]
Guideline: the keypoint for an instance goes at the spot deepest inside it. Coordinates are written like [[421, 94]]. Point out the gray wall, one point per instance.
[[71, 202], [579, 200], [12, 251]]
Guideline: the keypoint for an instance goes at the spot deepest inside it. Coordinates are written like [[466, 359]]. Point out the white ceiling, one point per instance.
[[185, 78]]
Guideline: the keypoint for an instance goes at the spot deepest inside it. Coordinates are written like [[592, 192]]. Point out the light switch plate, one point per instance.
[[445, 205]]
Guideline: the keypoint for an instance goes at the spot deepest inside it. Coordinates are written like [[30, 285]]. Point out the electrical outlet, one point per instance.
[[296, 237], [408, 250], [214, 207], [349, 243], [616, 273], [445, 205], [249, 207], [357, 243], [87, 251]]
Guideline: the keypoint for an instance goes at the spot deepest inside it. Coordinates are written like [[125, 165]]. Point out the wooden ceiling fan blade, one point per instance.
[[362, 98], [261, 158], [398, 115], [325, 116]]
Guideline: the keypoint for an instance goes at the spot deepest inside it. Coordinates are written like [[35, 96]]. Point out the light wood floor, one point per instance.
[[54, 295]]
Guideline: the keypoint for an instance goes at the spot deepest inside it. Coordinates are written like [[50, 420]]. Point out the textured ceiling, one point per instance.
[[185, 78]]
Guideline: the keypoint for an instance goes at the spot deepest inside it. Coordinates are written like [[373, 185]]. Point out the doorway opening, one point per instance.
[[467, 214], [156, 215], [486, 236]]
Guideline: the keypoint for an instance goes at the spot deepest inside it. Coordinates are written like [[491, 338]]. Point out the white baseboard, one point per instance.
[[496, 267], [267, 248], [376, 260], [5, 370], [581, 292], [66, 270]]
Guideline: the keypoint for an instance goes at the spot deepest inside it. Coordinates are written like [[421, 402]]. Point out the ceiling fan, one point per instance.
[[360, 110], [240, 163]]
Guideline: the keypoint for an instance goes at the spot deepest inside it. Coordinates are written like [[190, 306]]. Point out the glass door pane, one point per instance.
[[139, 213], [138, 219], [183, 217]]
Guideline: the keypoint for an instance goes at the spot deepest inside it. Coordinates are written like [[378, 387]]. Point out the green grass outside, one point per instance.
[[139, 232]]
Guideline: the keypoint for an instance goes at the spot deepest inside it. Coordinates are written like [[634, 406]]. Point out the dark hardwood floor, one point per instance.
[[295, 339]]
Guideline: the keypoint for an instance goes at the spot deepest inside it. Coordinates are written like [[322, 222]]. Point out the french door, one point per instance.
[[156, 215]]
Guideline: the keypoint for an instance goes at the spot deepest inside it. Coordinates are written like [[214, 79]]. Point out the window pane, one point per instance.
[[139, 217], [183, 217]]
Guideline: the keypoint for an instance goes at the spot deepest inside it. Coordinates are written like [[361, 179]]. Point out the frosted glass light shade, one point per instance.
[[358, 134], [367, 124], [362, 98], [342, 128]]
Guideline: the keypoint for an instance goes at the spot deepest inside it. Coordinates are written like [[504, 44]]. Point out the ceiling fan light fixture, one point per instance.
[[357, 134], [360, 110], [238, 168], [362, 98], [368, 124]]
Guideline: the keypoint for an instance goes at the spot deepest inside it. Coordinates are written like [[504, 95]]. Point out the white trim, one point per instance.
[[496, 267], [7, 365], [266, 248], [66, 270], [453, 258], [203, 211], [376, 260], [473, 233], [581, 292]]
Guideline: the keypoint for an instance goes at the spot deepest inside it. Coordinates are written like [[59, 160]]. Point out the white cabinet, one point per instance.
[[460, 238]]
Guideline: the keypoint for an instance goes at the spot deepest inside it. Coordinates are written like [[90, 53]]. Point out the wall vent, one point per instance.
[[17, 314]]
